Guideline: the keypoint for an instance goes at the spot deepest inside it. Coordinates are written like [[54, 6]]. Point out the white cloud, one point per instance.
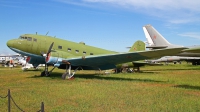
[[191, 35], [154, 4], [172, 11], [75, 2]]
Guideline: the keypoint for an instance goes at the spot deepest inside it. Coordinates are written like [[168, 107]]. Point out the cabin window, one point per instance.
[[21, 37], [25, 38], [91, 54], [29, 38], [69, 49], [34, 39], [84, 52], [77, 51], [59, 47]]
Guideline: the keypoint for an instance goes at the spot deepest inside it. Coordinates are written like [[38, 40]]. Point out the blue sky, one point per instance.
[[108, 24]]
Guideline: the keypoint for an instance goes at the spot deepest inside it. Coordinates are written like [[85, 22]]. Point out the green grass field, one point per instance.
[[169, 88]]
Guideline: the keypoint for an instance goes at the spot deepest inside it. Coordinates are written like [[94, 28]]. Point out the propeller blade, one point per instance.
[[47, 55], [51, 46]]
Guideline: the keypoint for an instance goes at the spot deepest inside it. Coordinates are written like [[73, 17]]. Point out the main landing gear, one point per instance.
[[46, 72], [68, 74]]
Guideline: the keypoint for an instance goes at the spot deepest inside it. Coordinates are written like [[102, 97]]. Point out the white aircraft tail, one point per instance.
[[155, 39]]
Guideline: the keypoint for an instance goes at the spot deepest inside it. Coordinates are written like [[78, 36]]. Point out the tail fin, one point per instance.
[[155, 39], [138, 46]]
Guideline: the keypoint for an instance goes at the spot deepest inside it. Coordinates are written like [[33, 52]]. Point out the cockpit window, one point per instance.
[[26, 38], [21, 37], [29, 38]]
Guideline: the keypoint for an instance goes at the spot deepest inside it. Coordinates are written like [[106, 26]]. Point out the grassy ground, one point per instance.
[[156, 88]]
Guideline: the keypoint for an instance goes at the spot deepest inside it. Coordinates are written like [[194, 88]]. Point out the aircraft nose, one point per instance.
[[10, 43]]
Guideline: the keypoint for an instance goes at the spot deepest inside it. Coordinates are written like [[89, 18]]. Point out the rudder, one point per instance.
[[155, 36], [155, 39]]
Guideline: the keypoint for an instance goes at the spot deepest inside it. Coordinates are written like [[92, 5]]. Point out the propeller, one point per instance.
[[49, 51], [47, 56], [51, 46]]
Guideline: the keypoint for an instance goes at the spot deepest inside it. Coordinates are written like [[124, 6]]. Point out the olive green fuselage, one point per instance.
[[38, 44]]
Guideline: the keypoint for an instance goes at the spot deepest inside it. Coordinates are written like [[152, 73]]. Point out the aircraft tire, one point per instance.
[[42, 74], [48, 74], [193, 63]]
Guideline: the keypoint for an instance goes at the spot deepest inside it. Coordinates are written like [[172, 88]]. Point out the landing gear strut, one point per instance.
[[68, 74], [46, 72]]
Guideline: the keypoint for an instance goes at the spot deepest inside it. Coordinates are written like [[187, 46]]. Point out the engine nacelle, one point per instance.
[[35, 61]]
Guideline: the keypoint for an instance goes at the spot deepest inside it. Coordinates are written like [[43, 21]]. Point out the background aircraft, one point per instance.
[[156, 41], [176, 59], [69, 55], [24, 62], [5, 58]]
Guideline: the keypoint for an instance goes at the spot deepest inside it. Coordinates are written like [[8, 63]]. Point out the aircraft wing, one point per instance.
[[109, 61]]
